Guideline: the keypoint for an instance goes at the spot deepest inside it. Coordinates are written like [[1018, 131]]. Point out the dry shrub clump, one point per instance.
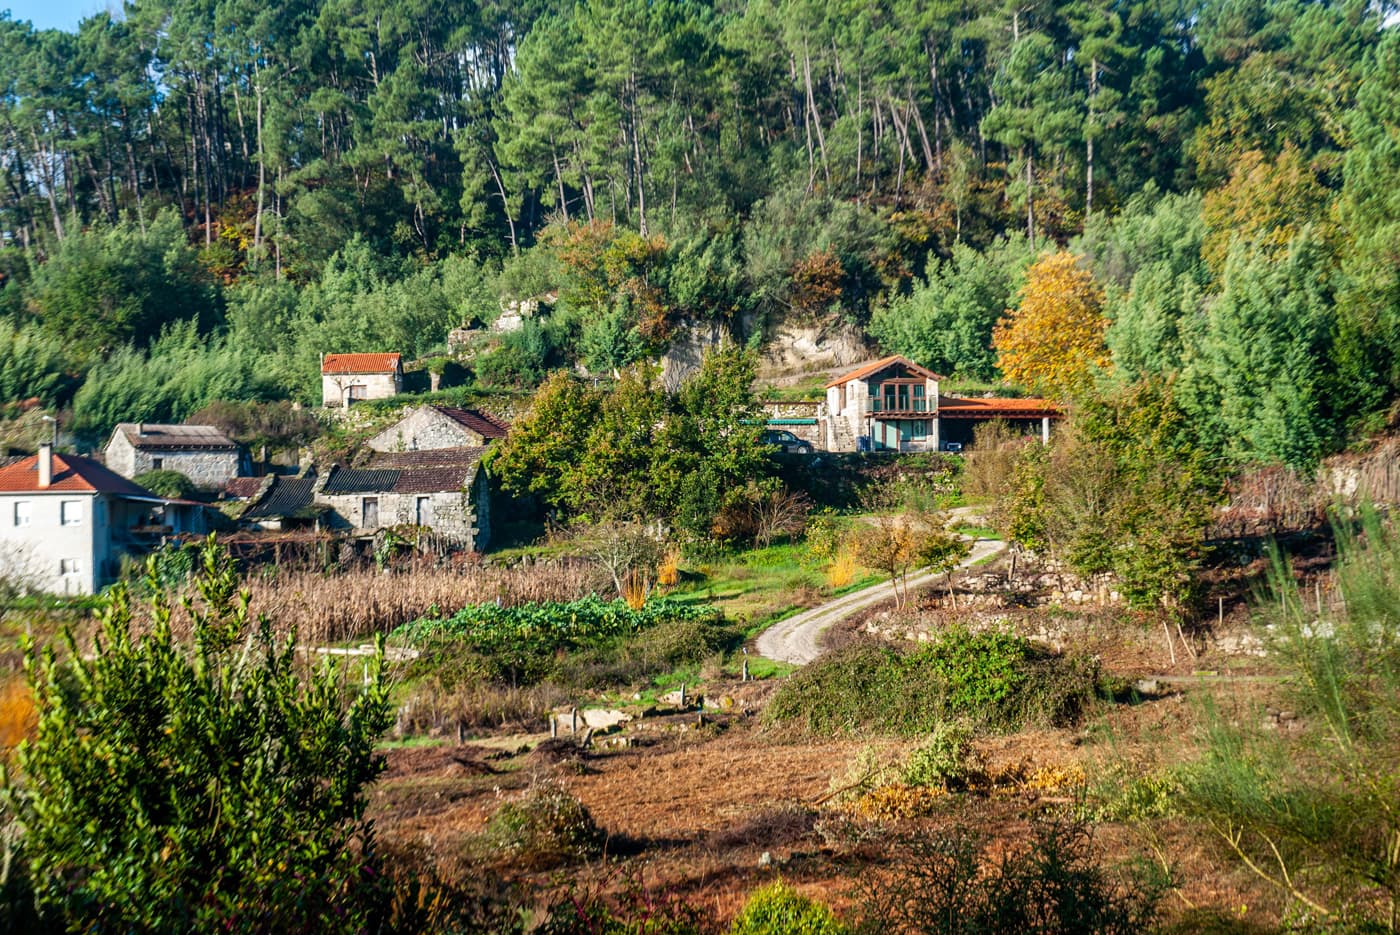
[[354, 604], [545, 828], [842, 570], [17, 715], [437, 703]]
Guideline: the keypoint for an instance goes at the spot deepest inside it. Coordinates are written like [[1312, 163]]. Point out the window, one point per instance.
[[157, 464], [68, 566], [21, 512], [369, 510], [425, 511], [71, 512], [357, 392]]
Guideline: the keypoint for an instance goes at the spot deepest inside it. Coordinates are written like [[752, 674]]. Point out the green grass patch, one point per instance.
[[993, 681]]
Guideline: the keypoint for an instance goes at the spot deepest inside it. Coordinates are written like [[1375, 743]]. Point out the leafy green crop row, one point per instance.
[[519, 644]]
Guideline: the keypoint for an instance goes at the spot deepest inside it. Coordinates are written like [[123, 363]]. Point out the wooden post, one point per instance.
[[553, 726], [573, 720], [745, 676], [682, 694]]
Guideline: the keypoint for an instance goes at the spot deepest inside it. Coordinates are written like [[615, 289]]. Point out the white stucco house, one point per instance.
[[350, 378], [66, 521], [200, 452]]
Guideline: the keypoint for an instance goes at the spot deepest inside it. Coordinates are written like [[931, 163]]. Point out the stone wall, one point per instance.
[[460, 517], [207, 469], [425, 429]]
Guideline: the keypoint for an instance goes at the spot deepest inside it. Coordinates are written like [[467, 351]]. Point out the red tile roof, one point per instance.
[[360, 363], [876, 366], [71, 474], [241, 488], [428, 458], [961, 407], [482, 423]]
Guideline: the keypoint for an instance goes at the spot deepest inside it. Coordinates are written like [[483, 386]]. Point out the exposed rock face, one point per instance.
[[689, 343], [791, 346]]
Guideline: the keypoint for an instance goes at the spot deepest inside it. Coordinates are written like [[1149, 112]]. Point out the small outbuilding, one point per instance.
[[202, 453], [350, 378]]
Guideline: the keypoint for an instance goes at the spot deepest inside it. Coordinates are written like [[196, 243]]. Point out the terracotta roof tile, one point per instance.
[[71, 474], [241, 488], [360, 363], [434, 479], [482, 423], [431, 457], [961, 407], [878, 365]]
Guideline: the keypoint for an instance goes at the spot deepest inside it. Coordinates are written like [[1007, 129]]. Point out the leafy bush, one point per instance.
[[992, 680], [546, 828], [166, 483], [778, 909], [217, 779], [942, 760]]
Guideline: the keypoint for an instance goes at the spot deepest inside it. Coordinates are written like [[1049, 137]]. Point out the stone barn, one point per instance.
[[202, 453]]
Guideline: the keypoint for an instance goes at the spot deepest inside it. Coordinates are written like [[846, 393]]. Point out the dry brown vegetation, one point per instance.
[[355, 604]]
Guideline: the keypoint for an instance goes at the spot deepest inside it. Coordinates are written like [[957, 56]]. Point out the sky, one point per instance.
[[55, 14]]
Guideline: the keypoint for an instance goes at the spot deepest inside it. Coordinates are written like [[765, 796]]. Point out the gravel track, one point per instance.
[[797, 639]]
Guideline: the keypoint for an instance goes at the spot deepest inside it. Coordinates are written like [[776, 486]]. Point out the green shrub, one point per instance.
[[546, 828], [992, 681], [778, 909], [166, 483], [218, 779], [942, 760]]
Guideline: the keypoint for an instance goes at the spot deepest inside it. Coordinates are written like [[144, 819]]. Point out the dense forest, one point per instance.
[[201, 196]]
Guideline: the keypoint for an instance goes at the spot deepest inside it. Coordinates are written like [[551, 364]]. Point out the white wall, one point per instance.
[[33, 553], [335, 387]]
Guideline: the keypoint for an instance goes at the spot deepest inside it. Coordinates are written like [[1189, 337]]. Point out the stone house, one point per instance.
[[428, 428], [350, 378], [67, 521], [444, 490], [893, 404], [200, 452]]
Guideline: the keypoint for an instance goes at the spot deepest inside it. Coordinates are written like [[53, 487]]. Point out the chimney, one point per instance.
[[140, 429], [45, 465]]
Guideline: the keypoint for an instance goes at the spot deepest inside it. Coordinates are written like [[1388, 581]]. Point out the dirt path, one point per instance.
[[796, 640]]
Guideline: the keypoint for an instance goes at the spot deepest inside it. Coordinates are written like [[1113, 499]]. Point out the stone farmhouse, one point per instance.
[[350, 378], [443, 490], [202, 453], [67, 521], [429, 428], [893, 404]]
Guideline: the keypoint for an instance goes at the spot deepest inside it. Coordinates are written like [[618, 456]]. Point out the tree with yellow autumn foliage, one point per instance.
[[1055, 340]]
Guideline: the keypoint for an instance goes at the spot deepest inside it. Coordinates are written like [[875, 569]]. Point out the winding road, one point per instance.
[[796, 640]]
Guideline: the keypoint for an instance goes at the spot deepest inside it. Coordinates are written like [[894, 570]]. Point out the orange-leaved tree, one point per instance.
[[1054, 341]]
